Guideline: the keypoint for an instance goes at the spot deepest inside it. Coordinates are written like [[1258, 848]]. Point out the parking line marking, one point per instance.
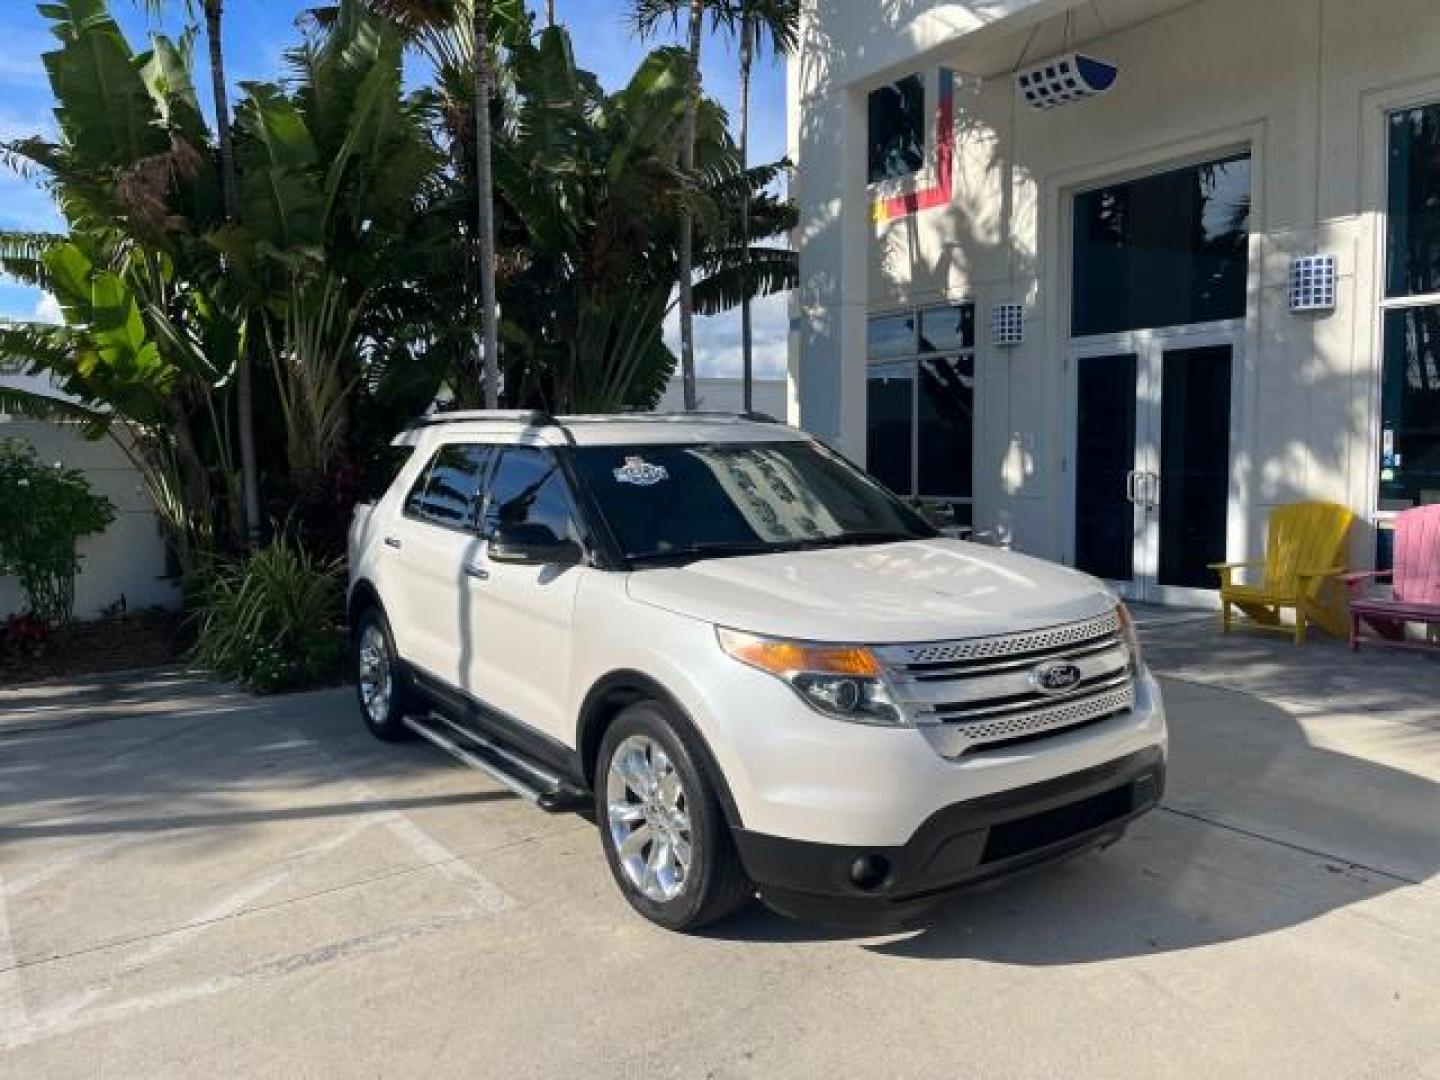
[[13, 1017], [228, 906], [364, 944], [67, 860], [18, 1027]]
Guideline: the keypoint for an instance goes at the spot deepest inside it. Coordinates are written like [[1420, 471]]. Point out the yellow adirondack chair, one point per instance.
[[1304, 550]]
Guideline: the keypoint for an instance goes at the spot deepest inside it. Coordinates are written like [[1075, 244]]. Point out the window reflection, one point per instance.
[[445, 493], [890, 335], [1164, 250], [947, 420], [1410, 409], [1414, 218], [943, 329], [920, 404], [897, 129]]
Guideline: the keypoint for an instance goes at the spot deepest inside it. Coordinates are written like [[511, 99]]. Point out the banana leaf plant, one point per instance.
[[140, 349]]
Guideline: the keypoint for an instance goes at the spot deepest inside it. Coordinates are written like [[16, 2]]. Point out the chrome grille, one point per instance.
[[979, 690], [1054, 637]]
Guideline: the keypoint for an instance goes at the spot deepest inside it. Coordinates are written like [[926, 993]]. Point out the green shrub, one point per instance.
[[271, 621], [44, 510]]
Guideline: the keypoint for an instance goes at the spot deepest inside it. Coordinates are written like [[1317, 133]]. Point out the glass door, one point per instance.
[[1108, 518], [1187, 499], [1151, 452]]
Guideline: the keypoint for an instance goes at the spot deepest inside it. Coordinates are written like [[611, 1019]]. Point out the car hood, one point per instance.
[[920, 590]]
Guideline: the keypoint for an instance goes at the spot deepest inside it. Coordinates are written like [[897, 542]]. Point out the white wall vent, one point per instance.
[[1312, 283], [1007, 325]]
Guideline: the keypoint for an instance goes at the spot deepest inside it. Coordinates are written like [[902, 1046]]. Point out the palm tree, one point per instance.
[[456, 36], [777, 21], [244, 392], [648, 15], [485, 210]]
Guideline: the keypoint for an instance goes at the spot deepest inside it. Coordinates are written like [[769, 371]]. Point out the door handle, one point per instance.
[[392, 542], [479, 573], [1132, 484], [1152, 490]]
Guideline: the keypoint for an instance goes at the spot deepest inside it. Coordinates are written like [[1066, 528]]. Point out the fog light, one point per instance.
[[869, 872]]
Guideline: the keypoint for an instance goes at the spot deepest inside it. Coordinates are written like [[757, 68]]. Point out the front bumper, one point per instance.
[[959, 845]]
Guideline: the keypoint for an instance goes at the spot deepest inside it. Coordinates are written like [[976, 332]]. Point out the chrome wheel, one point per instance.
[[649, 818], [377, 683]]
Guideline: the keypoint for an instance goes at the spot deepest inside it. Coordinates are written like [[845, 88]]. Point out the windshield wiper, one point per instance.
[[854, 539], [704, 551]]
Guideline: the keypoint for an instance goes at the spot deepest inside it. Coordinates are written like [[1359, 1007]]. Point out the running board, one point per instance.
[[524, 777]]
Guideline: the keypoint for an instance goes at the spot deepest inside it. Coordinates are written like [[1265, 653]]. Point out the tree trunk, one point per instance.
[[244, 391], [687, 223], [485, 217], [747, 50]]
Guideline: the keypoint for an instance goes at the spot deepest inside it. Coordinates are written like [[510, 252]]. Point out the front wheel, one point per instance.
[[664, 834], [384, 693]]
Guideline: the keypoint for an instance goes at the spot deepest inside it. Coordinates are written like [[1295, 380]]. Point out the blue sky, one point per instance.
[[256, 34]]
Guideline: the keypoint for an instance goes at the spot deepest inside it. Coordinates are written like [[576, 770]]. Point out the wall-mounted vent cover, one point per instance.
[[1061, 80], [1312, 283], [1007, 325]]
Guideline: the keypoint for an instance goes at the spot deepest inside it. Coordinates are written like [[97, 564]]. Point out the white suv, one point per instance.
[[763, 671]]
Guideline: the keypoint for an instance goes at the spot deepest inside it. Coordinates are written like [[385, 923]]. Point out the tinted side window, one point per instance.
[[445, 493], [529, 489]]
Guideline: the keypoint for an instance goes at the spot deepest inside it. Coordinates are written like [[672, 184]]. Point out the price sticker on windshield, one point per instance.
[[640, 472]]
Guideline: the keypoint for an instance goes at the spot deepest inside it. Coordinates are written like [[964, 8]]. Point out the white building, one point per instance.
[[1165, 393], [127, 560]]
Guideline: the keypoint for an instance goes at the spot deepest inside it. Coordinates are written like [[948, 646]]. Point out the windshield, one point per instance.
[[672, 503]]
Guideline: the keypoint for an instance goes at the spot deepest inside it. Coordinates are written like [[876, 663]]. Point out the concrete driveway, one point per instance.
[[194, 883]]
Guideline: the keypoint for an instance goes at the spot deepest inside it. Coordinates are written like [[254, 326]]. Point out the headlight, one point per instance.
[[843, 681], [1129, 634]]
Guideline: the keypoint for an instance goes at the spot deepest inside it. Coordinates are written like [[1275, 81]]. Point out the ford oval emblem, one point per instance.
[[1055, 676]]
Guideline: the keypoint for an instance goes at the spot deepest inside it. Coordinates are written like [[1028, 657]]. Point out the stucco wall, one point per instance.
[[128, 558], [1302, 83]]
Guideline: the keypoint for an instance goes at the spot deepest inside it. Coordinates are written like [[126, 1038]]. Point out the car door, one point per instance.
[[429, 546], [522, 615]]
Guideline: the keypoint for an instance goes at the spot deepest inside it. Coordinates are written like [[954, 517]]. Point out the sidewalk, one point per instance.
[[1322, 675]]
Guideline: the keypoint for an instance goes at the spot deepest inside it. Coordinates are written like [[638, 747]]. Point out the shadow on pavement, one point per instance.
[[1261, 829]]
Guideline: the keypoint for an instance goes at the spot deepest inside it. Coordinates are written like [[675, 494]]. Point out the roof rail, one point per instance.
[[529, 417], [712, 414], [471, 416]]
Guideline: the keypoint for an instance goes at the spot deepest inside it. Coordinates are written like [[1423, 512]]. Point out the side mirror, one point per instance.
[[532, 544]]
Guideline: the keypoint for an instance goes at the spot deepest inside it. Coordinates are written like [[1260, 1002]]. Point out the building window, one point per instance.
[[897, 129], [1164, 250], [1410, 394], [920, 405]]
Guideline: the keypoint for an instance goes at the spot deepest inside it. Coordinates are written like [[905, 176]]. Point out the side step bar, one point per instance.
[[524, 777]]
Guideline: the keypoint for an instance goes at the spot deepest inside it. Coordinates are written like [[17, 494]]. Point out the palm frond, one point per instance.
[[34, 405]]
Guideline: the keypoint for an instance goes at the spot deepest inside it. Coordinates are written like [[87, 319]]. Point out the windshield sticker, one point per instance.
[[640, 472]]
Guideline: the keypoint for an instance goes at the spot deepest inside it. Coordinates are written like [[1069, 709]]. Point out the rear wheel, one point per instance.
[[380, 684], [664, 833]]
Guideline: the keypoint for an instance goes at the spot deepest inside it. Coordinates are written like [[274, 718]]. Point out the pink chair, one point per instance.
[[1414, 583]]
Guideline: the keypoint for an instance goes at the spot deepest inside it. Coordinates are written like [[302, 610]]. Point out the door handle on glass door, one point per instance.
[[1132, 485], [1152, 490]]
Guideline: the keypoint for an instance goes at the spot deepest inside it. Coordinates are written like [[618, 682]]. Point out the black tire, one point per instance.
[[714, 885], [384, 722]]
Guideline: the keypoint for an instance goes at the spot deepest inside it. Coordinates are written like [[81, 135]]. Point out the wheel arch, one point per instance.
[[619, 689], [362, 595]]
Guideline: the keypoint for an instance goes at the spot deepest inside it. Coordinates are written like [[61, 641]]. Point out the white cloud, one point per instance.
[[17, 124], [717, 339], [47, 309]]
